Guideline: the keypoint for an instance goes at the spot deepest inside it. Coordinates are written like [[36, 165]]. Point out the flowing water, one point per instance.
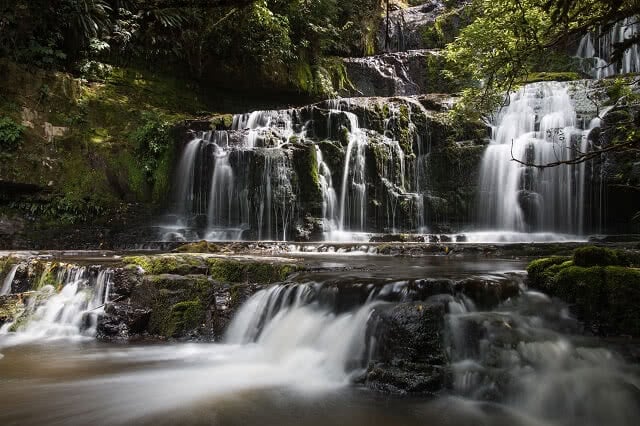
[[245, 183], [538, 126], [294, 354], [597, 51]]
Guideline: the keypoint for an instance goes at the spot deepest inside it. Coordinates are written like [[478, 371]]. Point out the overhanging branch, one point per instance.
[[581, 157]]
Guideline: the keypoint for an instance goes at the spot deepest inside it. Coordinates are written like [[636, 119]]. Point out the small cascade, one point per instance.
[[236, 182], [70, 312], [8, 280], [539, 126], [597, 51], [288, 324], [329, 197], [522, 354], [353, 195]]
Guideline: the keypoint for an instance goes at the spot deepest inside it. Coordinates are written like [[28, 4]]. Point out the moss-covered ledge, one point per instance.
[[601, 285], [221, 268]]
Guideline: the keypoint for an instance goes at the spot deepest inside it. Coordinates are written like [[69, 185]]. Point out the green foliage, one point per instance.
[[511, 41], [152, 141], [10, 134]]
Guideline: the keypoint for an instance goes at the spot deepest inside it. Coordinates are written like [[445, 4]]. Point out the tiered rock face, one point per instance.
[[388, 163]]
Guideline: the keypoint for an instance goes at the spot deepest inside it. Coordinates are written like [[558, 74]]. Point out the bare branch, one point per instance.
[[581, 158]]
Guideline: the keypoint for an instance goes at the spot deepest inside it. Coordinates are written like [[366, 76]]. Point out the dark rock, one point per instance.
[[122, 321], [409, 355]]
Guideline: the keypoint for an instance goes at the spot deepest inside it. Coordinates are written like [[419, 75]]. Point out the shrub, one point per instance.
[[10, 134]]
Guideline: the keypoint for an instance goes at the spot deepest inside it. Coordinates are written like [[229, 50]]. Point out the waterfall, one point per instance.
[[521, 353], [225, 193], [242, 183], [8, 280], [329, 197], [597, 51], [353, 195], [539, 126], [287, 323], [70, 313], [186, 175]]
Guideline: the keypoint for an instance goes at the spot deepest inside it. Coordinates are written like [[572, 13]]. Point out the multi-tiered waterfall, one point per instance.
[[273, 173], [539, 126]]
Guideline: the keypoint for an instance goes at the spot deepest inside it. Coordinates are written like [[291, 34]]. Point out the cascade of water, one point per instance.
[[185, 174], [539, 126], [8, 280], [598, 55], [217, 179], [520, 354], [286, 322], [72, 312], [353, 195], [329, 197], [275, 210], [222, 198]]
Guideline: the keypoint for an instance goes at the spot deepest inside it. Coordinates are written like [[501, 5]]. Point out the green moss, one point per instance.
[[199, 247], [234, 271], [536, 270], [592, 256], [553, 76], [305, 164], [602, 294], [178, 303], [168, 264], [623, 298], [222, 122], [185, 316]]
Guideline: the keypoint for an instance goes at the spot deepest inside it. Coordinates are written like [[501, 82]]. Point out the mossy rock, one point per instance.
[[199, 247], [537, 270], [600, 256], [235, 271], [601, 290], [169, 264], [178, 303], [11, 307], [185, 316], [553, 76]]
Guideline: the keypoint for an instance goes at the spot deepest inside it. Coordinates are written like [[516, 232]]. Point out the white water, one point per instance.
[[214, 181], [70, 313], [598, 50], [517, 351], [538, 126], [329, 197], [353, 195], [8, 280]]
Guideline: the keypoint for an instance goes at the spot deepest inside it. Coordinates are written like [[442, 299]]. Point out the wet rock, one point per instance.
[[407, 27], [122, 321], [11, 307], [124, 280], [409, 354], [395, 74], [488, 293]]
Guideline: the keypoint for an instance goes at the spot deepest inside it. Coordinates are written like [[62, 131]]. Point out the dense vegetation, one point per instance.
[[285, 41], [139, 67]]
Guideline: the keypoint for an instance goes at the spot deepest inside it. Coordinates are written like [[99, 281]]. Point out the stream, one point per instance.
[[291, 356]]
